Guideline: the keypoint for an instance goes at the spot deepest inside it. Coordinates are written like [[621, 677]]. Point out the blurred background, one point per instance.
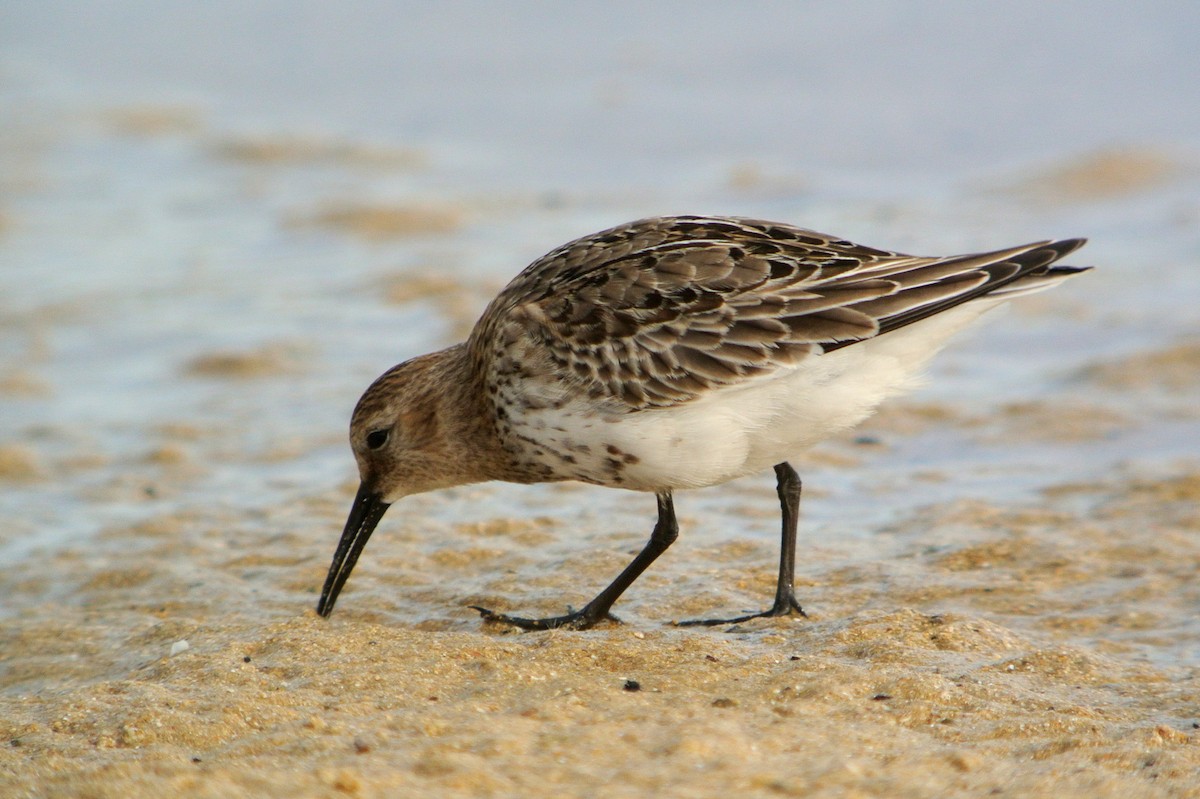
[[219, 221]]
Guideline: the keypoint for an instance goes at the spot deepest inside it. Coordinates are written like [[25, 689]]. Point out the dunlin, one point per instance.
[[664, 354]]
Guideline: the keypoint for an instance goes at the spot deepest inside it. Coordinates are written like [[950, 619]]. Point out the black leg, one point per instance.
[[788, 487], [666, 530]]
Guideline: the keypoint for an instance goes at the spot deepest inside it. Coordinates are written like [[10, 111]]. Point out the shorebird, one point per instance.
[[670, 353]]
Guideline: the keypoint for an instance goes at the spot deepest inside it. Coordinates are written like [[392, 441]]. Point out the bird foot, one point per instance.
[[574, 620], [787, 606]]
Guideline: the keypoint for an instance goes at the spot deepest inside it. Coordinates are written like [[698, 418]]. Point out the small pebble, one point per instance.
[[179, 646], [633, 685]]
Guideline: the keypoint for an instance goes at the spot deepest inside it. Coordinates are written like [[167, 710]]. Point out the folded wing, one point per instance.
[[654, 313]]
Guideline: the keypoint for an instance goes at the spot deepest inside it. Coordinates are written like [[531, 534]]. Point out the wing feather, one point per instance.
[[657, 311]]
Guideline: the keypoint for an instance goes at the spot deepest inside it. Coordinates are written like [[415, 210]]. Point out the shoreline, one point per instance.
[[1000, 659]]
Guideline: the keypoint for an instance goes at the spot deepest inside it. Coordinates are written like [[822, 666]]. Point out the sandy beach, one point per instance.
[[969, 649], [216, 228], [1023, 651]]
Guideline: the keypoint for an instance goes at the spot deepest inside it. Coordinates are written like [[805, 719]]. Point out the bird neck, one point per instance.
[[468, 431]]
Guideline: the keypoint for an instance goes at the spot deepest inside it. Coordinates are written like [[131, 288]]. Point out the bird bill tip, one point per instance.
[[365, 513]]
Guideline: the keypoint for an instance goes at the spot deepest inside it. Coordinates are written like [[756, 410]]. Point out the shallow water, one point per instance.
[[210, 243]]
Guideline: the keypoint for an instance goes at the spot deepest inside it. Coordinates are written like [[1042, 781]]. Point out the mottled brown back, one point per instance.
[[653, 313]]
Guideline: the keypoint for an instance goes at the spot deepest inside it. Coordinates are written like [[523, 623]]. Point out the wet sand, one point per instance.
[[971, 649]]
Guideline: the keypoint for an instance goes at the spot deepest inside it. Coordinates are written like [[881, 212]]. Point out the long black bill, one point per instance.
[[365, 513]]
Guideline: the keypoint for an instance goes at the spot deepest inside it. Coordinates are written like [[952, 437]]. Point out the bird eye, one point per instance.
[[377, 438]]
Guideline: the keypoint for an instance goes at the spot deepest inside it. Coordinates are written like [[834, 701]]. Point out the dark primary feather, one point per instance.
[[654, 312]]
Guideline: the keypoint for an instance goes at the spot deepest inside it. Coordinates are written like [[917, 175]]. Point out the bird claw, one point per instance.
[[575, 620], [787, 607]]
